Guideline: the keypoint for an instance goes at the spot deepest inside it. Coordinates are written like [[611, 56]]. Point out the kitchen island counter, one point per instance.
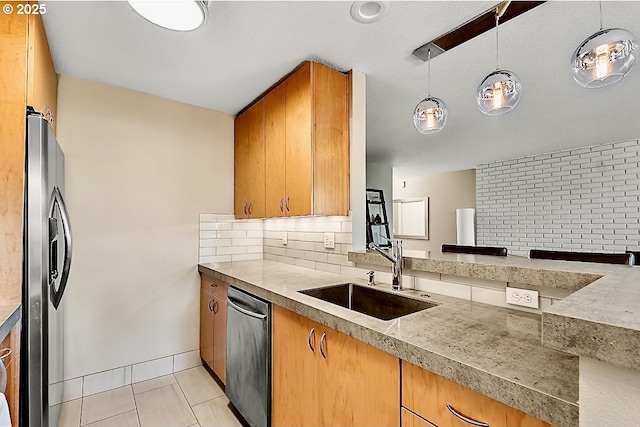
[[493, 350], [600, 319]]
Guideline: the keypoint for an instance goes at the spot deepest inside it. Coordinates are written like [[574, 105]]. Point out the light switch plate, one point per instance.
[[523, 297], [285, 240], [329, 240]]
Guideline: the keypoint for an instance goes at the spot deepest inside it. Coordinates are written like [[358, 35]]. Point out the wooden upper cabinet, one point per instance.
[[275, 151], [306, 133], [42, 86], [330, 142], [298, 136], [250, 163]]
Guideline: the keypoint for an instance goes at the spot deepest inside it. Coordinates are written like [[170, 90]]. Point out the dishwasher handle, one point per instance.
[[245, 311]]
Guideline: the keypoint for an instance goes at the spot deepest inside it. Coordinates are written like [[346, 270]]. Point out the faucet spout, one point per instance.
[[396, 261]]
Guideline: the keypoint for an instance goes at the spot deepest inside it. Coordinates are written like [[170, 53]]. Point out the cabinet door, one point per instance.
[[13, 71], [409, 419], [42, 80], [275, 152], [330, 142], [418, 383], [299, 167], [295, 391], [206, 327], [220, 337], [249, 171], [360, 384]]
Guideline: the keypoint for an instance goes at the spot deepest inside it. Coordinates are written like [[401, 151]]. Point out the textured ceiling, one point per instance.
[[246, 46]]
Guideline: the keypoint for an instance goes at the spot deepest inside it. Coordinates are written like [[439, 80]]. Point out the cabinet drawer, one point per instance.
[[216, 286], [436, 398]]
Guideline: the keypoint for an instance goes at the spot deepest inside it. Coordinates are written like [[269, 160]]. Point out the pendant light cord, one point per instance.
[[429, 72], [497, 51], [601, 27]]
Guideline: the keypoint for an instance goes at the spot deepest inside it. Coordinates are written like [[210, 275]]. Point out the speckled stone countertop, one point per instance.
[[493, 350], [9, 316], [601, 319]]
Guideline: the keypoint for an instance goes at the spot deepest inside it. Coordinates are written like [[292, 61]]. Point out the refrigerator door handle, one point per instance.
[[57, 199]]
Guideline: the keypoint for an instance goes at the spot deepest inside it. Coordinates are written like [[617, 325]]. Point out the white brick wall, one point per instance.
[[585, 199]]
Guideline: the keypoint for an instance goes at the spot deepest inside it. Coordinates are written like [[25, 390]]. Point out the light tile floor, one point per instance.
[[190, 398]]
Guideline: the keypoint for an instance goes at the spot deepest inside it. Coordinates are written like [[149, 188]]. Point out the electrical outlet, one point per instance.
[[284, 238], [329, 240], [523, 297]]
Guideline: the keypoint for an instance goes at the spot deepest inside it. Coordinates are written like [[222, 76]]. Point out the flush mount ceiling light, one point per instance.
[[603, 58], [179, 15], [500, 91], [430, 115], [367, 12]]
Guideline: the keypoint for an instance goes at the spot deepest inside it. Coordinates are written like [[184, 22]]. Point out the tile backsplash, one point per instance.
[[223, 239]]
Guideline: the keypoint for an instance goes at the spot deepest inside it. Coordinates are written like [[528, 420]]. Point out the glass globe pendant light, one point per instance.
[[430, 115], [499, 92], [603, 58]]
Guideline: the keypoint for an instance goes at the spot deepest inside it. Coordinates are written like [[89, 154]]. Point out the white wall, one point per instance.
[[585, 199], [139, 171], [609, 395], [447, 192], [357, 157]]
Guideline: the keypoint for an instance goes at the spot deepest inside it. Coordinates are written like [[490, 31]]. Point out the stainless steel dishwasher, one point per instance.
[[249, 356]]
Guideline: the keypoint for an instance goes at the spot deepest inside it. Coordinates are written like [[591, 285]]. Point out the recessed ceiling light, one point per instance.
[[185, 15], [367, 12]]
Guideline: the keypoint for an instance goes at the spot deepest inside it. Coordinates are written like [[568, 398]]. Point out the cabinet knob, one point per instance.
[[310, 338]]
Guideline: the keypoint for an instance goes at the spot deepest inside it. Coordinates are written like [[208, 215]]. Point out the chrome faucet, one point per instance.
[[396, 260]]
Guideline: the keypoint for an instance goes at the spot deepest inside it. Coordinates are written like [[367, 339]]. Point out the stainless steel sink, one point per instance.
[[369, 301]]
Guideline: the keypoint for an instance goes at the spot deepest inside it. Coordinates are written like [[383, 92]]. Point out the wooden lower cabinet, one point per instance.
[[213, 324], [331, 381], [428, 394], [409, 419], [220, 338], [206, 327], [12, 364]]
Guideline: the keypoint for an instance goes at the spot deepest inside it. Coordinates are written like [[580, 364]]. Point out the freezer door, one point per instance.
[[47, 246]]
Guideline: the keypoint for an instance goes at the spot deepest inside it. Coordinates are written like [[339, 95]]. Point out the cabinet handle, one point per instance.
[[6, 352], [461, 417], [213, 285], [280, 205], [311, 334], [323, 340], [215, 310], [287, 204], [244, 209], [249, 208], [210, 307]]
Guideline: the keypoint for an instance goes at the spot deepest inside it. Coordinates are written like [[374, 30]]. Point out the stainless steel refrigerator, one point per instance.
[[47, 259]]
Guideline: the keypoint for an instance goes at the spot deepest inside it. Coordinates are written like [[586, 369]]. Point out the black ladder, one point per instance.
[[377, 220]]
